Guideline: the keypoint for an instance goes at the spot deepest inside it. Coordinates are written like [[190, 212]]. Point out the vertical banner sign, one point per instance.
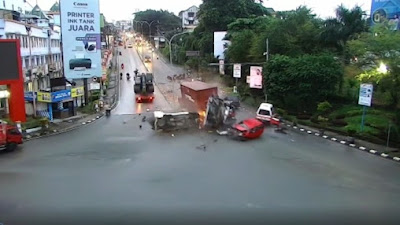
[[221, 67], [365, 97], [237, 70], [80, 29], [256, 77]]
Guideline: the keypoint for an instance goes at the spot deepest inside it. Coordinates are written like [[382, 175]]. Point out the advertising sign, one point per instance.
[[386, 10], [94, 86], [28, 96], [256, 77], [59, 96], [44, 97], [80, 28], [9, 61], [77, 92], [365, 97], [237, 70], [221, 67]]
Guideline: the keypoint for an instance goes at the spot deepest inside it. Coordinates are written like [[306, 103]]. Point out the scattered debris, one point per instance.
[[148, 110], [124, 122], [140, 126], [172, 135], [144, 119], [280, 130], [201, 147], [222, 133]]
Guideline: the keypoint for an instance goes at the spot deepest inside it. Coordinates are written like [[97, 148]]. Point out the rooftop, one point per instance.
[[198, 85]]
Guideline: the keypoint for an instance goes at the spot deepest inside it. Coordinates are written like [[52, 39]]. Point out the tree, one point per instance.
[[379, 48], [164, 20], [296, 34], [299, 83], [347, 25]]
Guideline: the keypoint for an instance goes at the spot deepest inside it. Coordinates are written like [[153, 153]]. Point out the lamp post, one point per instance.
[[170, 42], [29, 42]]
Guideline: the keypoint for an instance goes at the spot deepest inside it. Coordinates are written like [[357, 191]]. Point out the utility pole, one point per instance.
[[28, 30]]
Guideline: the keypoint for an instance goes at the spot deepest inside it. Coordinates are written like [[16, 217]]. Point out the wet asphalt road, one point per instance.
[[111, 170]]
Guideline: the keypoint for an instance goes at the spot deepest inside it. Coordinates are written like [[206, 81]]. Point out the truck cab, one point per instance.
[[144, 88]]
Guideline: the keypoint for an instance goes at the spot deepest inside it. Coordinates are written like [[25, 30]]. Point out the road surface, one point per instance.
[[112, 171]]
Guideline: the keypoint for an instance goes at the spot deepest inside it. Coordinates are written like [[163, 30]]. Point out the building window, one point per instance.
[[191, 14], [26, 62]]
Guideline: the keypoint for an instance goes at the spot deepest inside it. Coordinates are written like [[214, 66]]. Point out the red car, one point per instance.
[[248, 129]]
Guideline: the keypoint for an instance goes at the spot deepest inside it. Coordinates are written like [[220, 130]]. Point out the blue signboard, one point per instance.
[[28, 96], [59, 96], [386, 10], [80, 28]]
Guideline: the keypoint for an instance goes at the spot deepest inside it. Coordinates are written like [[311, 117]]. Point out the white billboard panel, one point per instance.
[[220, 45], [80, 29], [256, 77], [365, 97]]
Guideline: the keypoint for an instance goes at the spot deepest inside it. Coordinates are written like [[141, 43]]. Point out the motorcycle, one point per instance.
[[136, 72], [122, 66], [120, 53], [128, 77]]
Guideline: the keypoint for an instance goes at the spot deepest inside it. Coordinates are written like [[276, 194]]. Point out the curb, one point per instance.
[[343, 142], [56, 132]]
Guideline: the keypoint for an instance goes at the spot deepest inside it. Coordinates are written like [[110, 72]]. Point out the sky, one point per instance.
[[123, 9]]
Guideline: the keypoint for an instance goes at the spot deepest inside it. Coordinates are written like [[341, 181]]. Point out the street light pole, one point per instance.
[[29, 31], [170, 42]]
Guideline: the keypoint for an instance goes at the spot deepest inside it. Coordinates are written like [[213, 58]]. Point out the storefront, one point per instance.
[[59, 105]]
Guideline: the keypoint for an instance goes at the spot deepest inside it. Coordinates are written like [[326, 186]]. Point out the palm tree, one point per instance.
[[347, 25]]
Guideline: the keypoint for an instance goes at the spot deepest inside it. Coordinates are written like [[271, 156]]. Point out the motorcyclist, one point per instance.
[[127, 76], [120, 76], [136, 72], [122, 66]]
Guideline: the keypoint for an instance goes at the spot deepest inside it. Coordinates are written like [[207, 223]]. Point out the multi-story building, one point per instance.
[[189, 17], [13, 5], [40, 49]]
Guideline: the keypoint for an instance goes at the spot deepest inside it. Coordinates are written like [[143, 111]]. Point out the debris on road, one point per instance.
[[201, 147]]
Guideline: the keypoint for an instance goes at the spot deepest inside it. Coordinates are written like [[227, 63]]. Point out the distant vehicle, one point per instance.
[[174, 121], [130, 45], [247, 129], [10, 137], [147, 59]]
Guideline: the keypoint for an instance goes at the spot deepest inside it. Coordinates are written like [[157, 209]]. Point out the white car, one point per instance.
[[265, 112]]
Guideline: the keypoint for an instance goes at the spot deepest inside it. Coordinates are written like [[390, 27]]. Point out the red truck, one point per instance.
[[10, 137], [195, 95]]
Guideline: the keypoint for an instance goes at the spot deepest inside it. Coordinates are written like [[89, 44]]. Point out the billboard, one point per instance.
[[9, 61], [256, 77], [385, 10], [80, 29], [220, 45]]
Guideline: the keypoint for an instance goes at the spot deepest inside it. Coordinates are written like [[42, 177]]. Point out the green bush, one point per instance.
[[303, 117], [324, 107], [339, 123]]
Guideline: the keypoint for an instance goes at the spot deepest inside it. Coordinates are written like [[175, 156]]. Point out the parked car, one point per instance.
[[247, 129], [232, 101]]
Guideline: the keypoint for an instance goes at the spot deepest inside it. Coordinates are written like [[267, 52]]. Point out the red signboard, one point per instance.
[[11, 75]]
